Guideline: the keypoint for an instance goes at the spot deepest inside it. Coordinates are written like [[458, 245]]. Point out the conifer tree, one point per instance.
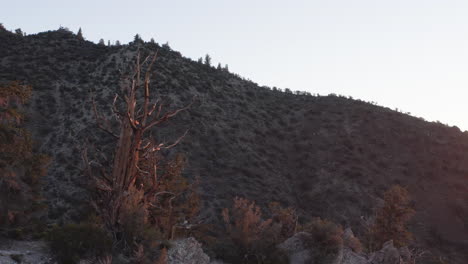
[[137, 39], [117, 43], [101, 42], [79, 35], [200, 60], [19, 32], [219, 66], [207, 60], [141, 194]]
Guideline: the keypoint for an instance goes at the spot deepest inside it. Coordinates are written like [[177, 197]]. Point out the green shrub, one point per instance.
[[73, 242]]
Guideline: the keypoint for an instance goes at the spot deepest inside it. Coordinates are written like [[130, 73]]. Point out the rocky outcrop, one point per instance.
[[187, 251], [300, 250]]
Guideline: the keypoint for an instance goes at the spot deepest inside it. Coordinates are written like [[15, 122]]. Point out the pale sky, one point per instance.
[[411, 54]]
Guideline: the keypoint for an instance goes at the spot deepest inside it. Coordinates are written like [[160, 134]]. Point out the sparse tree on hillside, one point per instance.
[[226, 68], [200, 60], [391, 220], [19, 32], [101, 42], [108, 43], [219, 66], [79, 35], [152, 41], [166, 46], [137, 39], [207, 60], [117, 43]]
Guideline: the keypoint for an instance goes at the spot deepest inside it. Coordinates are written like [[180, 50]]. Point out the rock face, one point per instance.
[[187, 251]]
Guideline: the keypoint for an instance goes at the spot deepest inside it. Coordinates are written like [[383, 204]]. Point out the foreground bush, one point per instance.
[[73, 242], [21, 206], [253, 239], [326, 237]]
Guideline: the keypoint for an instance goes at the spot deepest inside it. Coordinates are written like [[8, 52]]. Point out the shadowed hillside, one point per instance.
[[328, 156]]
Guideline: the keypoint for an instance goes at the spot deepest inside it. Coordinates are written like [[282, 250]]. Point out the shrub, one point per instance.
[[254, 238], [354, 243], [326, 237], [20, 166], [391, 220], [73, 242]]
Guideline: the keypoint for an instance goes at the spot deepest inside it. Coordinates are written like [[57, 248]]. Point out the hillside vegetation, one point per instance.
[[326, 156]]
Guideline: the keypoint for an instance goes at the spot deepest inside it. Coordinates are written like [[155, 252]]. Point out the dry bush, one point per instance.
[[285, 220], [354, 243], [391, 220], [254, 238], [244, 223], [326, 237]]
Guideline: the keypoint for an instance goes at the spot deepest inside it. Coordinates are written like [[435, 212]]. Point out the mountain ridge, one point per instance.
[[327, 156]]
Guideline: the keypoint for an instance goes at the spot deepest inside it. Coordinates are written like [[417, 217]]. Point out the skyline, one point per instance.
[[410, 55]]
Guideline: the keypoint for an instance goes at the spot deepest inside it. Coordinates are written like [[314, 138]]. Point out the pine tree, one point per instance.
[[226, 68], [207, 60], [79, 35], [117, 43], [152, 41], [219, 66], [108, 43], [19, 32], [137, 39], [101, 42], [200, 60]]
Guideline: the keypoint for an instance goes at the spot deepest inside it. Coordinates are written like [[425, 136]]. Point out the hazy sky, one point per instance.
[[411, 54]]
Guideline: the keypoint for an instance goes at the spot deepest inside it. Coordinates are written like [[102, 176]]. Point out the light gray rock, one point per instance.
[[26, 252], [296, 249], [187, 251], [387, 255], [351, 257], [300, 250]]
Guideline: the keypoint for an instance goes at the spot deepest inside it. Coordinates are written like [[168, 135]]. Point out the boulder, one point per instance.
[[27, 252], [387, 255], [187, 251], [300, 250], [351, 257], [296, 249]]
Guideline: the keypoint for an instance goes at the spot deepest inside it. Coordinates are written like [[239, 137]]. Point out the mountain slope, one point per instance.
[[327, 156]]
